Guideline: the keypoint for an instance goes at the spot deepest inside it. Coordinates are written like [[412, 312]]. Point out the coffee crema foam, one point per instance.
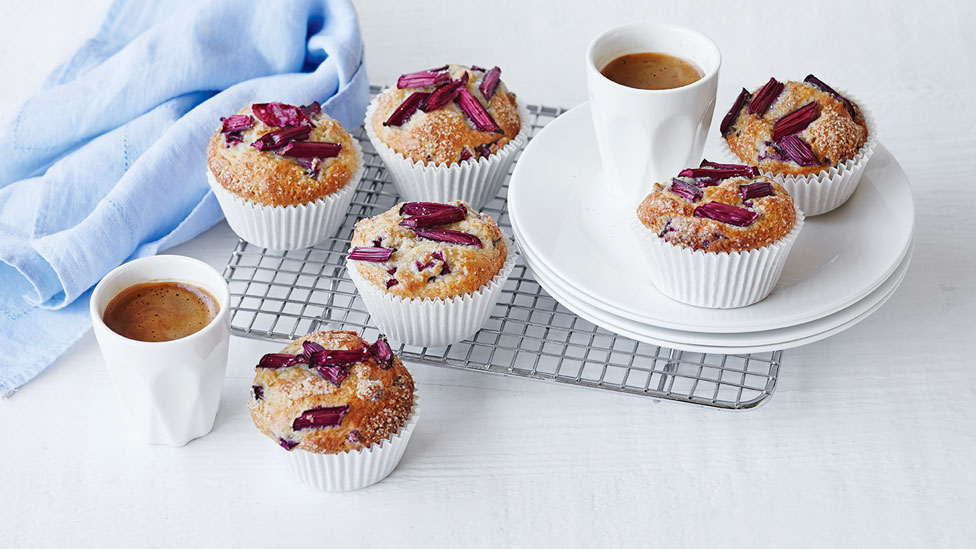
[[160, 311]]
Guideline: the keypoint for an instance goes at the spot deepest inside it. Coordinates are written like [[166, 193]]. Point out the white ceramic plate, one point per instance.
[[581, 233], [727, 343], [571, 298]]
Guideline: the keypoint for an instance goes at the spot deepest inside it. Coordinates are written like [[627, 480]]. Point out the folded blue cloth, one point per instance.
[[107, 162]]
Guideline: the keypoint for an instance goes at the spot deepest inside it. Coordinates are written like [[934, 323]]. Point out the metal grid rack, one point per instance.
[[279, 295]]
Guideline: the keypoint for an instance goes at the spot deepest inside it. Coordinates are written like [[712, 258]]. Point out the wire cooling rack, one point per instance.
[[280, 295]]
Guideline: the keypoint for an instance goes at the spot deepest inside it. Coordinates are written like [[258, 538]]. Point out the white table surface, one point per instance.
[[870, 439]]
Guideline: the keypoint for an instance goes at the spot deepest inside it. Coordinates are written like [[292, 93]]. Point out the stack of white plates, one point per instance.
[[581, 246]]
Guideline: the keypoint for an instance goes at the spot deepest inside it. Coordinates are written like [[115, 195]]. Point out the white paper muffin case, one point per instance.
[[288, 227], [476, 181], [352, 470], [826, 190], [432, 322], [717, 280]]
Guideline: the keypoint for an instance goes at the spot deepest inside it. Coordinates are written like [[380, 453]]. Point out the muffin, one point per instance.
[[429, 273], [810, 138], [341, 409], [284, 175], [718, 235], [448, 133]]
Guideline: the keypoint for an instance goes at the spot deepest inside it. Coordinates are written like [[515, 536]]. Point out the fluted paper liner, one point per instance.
[[476, 181], [288, 227], [829, 189], [432, 322], [716, 280], [352, 470]]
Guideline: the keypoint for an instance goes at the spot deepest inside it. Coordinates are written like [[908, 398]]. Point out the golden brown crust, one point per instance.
[[672, 218], [834, 136], [470, 267], [438, 137], [273, 180], [380, 401]]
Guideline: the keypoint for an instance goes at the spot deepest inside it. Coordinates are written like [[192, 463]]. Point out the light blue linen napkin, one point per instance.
[[107, 162]]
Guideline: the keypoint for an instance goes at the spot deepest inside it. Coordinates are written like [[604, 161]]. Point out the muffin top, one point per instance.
[[330, 392], [719, 208], [282, 155], [797, 128], [446, 115], [428, 250]]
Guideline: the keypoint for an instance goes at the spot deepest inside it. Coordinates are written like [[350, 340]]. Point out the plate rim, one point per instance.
[[778, 345]]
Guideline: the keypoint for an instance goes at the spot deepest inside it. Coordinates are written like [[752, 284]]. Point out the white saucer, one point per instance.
[[577, 231], [723, 343]]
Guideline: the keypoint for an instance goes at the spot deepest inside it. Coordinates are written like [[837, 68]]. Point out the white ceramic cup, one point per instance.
[[646, 136], [170, 390]]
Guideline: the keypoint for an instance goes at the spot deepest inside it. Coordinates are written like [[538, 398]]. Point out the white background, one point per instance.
[[870, 439]]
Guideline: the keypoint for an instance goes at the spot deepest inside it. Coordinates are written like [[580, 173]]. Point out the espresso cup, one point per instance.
[[646, 136], [170, 390]]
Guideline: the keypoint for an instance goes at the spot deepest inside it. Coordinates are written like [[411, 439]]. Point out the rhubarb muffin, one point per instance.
[[718, 235], [429, 273], [812, 139], [341, 409], [284, 175], [448, 133]]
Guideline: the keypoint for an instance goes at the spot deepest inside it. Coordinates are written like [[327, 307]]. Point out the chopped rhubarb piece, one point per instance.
[[449, 236], [733, 113], [382, 352], [333, 357], [333, 374], [732, 170], [280, 115], [465, 154], [233, 138], [438, 69], [287, 444], [320, 417], [258, 392], [726, 213], [391, 270], [477, 68], [773, 152], [391, 283], [818, 83], [705, 163], [796, 121], [685, 190], [438, 255], [312, 109], [310, 149], [797, 150], [280, 138], [756, 190], [483, 150], [309, 347], [422, 78], [311, 165], [444, 94], [423, 266], [277, 360], [442, 217], [489, 82], [476, 112], [353, 436], [428, 208], [703, 182], [236, 123], [374, 254], [406, 109], [765, 96]]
